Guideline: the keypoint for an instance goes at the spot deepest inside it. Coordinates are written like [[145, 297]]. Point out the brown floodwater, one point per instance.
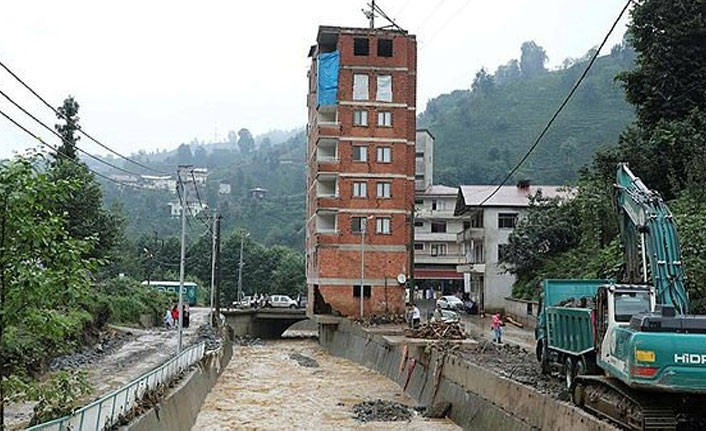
[[263, 389]]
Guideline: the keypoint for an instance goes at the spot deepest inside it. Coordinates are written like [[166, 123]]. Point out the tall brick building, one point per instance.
[[360, 169]]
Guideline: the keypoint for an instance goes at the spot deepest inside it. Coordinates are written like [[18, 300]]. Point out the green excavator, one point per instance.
[[630, 351]]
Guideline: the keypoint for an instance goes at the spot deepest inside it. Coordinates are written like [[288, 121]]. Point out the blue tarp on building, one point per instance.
[[327, 90]]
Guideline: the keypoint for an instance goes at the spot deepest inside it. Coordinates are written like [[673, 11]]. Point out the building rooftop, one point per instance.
[[508, 196], [441, 190]]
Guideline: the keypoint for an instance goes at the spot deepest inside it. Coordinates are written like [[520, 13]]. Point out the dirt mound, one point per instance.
[[108, 342], [382, 411], [516, 363], [438, 331], [303, 361]]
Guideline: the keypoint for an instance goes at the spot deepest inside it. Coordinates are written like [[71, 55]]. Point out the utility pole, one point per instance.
[[186, 169], [217, 274], [372, 14], [240, 269], [213, 264]]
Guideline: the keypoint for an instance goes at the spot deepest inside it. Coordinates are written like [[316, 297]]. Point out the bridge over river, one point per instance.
[[262, 322]]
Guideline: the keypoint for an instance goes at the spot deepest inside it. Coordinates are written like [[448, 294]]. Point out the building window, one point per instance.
[[507, 220], [433, 205], [384, 190], [384, 47], [418, 223], [360, 87], [438, 227], [360, 189], [502, 252], [361, 46], [384, 92], [360, 118], [360, 153], [438, 249], [357, 224], [477, 220], [466, 225], [356, 291], [419, 246], [385, 119], [383, 225], [384, 154]]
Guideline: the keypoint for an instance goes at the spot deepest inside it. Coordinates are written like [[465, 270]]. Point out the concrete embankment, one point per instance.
[[178, 410], [478, 398]]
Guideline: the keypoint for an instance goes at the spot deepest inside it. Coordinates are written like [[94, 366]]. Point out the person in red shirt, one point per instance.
[[175, 316]]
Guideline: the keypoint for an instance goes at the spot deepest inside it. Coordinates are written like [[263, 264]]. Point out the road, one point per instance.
[[148, 349]]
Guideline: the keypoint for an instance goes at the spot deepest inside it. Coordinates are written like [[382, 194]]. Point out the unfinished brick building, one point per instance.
[[360, 169]]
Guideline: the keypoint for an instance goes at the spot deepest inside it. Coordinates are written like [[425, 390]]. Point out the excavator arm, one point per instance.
[[648, 234]]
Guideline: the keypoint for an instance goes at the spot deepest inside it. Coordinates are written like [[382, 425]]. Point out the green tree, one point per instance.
[[44, 279], [508, 72], [669, 79], [246, 142], [532, 60], [483, 82], [68, 112], [184, 155], [86, 219]]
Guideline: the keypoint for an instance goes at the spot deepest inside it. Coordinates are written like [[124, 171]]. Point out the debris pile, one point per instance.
[[382, 319], [382, 411], [516, 363], [303, 361], [210, 335], [438, 331], [246, 341], [108, 342]]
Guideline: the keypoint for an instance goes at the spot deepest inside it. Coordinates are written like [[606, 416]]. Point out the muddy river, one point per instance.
[[264, 389]]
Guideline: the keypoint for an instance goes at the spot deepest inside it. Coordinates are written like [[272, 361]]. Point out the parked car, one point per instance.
[[246, 302], [280, 301], [449, 302], [447, 316]]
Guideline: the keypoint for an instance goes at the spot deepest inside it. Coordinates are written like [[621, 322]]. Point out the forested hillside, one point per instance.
[[482, 132]]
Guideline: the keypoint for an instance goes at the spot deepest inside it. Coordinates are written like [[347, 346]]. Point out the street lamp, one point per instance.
[[363, 231]]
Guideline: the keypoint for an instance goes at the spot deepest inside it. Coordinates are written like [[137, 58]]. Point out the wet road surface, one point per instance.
[[264, 389]]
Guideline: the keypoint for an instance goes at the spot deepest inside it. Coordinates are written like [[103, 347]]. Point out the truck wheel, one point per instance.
[[538, 350], [577, 395], [581, 367], [544, 360], [569, 371]]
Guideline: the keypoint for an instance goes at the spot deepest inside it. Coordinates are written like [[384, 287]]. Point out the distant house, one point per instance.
[[194, 208], [166, 182], [224, 189], [258, 192], [200, 175], [124, 178]]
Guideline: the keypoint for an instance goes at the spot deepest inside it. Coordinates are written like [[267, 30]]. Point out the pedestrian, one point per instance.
[[416, 316], [497, 327], [168, 321], [175, 315], [185, 319]]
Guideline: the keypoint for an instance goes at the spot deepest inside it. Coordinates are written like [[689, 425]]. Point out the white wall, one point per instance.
[[498, 283]]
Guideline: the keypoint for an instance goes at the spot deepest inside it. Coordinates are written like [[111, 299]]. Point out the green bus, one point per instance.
[[190, 289]]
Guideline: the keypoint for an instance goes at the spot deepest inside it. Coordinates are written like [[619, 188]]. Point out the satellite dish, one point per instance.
[[401, 279]]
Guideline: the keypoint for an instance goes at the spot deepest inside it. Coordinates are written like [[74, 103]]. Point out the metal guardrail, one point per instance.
[[104, 412]]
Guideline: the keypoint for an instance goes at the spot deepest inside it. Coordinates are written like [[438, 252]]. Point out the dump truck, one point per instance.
[[630, 351]]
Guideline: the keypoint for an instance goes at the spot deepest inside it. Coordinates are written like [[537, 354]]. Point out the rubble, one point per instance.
[[381, 319], [208, 334], [303, 361], [246, 341], [382, 411], [438, 331], [108, 342], [514, 362]]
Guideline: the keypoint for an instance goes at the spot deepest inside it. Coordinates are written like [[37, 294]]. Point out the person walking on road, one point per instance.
[[416, 316], [497, 327], [168, 320]]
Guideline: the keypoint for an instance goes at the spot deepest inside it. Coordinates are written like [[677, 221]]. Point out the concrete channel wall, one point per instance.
[[479, 399], [179, 409]]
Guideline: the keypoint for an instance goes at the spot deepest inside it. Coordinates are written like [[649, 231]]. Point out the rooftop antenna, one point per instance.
[[376, 10]]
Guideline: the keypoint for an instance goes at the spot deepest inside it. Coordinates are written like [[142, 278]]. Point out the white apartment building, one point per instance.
[[487, 226], [194, 208], [436, 251]]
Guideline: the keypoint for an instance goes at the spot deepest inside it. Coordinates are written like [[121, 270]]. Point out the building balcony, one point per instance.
[[421, 257], [478, 268], [434, 237], [470, 234]]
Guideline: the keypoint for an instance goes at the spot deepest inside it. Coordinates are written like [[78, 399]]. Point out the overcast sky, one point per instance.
[[151, 74]]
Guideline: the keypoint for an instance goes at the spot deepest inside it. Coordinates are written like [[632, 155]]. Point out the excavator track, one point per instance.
[[636, 410]]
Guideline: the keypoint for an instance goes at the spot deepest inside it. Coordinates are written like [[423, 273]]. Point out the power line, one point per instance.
[[561, 107], [60, 115], [62, 138], [59, 153]]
